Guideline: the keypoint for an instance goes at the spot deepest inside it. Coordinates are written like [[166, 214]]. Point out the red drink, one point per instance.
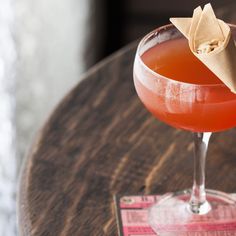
[[202, 103], [178, 89]]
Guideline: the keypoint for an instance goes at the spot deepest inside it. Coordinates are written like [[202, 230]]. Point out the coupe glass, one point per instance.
[[201, 109]]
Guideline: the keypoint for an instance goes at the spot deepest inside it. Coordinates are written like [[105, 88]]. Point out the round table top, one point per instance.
[[99, 142]]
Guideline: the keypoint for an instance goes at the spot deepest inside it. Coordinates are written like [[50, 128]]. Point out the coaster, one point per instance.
[[132, 217]]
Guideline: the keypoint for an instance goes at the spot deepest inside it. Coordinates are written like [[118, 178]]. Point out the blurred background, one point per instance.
[[45, 46]]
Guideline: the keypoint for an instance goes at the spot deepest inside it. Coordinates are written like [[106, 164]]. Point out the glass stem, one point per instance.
[[198, 203]]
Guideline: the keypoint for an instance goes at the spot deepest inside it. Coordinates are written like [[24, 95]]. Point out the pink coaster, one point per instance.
[[132, 217]]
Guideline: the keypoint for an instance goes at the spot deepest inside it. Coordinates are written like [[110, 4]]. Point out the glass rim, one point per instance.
[[156, 31]]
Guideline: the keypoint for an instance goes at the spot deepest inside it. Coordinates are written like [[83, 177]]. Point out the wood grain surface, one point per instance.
[[100, 141]]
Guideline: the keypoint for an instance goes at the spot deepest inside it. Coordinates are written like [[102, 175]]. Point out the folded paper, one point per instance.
[[211, 41]]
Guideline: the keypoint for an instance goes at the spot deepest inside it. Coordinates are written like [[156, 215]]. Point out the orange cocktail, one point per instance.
[[181, 91], [200, 103]]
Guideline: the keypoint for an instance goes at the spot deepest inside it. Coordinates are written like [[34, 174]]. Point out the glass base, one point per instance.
[[171, 215]]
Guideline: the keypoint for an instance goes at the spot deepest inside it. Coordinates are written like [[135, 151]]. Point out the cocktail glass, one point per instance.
[[201, 109]]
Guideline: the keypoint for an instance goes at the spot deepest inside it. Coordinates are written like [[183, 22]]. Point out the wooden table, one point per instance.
[[100, 141]]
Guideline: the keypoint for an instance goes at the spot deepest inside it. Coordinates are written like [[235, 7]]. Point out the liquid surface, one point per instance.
[[186, 106], [180, 64]]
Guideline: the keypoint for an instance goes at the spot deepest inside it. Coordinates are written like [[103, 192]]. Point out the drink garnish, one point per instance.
[[211, 41]]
